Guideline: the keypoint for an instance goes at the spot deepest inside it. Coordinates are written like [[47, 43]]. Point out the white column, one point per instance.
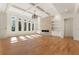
[[38, 25]]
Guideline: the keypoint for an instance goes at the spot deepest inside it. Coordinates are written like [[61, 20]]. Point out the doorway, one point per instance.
[[68, 27]]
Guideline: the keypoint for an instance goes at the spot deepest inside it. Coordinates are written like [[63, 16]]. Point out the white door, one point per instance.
[[68, 27]]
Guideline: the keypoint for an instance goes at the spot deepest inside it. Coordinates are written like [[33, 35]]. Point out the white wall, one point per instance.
[[76, 27], [3, 23], [58, 26]]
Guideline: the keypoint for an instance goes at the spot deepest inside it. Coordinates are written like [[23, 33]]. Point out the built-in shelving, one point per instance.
[[57, 28]]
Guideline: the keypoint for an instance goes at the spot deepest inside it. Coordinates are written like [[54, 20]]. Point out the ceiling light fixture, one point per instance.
[[34, 16]]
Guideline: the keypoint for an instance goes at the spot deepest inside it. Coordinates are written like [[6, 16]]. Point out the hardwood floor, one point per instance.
[[38, 45]]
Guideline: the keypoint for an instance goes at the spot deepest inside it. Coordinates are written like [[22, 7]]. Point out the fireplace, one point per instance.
[[45, 30]]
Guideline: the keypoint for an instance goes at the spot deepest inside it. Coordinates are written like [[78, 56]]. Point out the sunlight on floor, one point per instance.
[[37, 35], [29, 37], [33, 36], [22, 38], [13, 40]]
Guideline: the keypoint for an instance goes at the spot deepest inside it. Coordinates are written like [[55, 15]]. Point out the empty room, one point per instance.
[[39, 28]]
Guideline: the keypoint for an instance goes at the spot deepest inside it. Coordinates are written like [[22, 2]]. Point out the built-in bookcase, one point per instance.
[[57, 28]]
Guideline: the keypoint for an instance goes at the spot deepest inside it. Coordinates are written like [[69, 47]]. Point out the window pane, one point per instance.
[[32, 26], [25, 26], [29, 26], [19, 26], [13, 24]]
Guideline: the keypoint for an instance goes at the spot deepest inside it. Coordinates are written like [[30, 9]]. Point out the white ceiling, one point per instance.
[[42, 9], [3, 6], [65, 9]]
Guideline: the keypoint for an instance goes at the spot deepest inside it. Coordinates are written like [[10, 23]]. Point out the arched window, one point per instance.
[[19, 25], [13, 23]]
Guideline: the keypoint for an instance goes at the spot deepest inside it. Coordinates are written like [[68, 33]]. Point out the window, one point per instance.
[[13, 24], [29, 25], [32, 26], [19, 26], [25, 26]]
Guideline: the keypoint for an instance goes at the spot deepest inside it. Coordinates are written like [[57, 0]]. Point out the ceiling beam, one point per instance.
[[33, 4], [26, 10], [23, 10], [20, 9], [43, 10]]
